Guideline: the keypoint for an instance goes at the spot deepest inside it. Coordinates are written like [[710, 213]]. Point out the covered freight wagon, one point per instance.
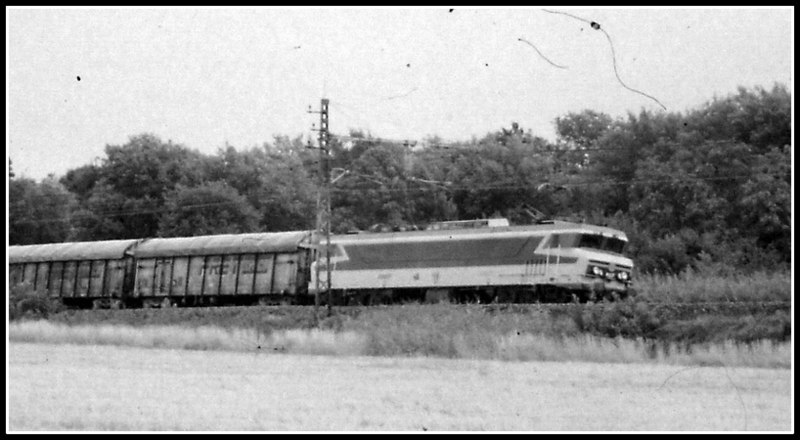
[[243, 269], [84, 274]]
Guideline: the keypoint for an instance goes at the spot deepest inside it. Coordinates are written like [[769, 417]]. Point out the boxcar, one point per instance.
[[85, 274], [265, 268]]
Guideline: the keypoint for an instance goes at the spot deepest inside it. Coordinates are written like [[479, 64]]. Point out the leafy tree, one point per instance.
[[577, 135], [764, 205], [676, 194], [80, 181], [377, 188], [38, 212], [148, 167], [108, 215], [124, 195], [206, 209], [275, 179], [759, 118]]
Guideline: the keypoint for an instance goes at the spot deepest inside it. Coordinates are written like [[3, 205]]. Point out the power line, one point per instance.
[[565, 184], [125, 213], [405, 142]]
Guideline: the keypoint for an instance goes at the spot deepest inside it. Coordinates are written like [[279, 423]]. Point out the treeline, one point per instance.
[[706, 189]]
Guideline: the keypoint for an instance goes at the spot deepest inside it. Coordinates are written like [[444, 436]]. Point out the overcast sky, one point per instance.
[[79, 79]]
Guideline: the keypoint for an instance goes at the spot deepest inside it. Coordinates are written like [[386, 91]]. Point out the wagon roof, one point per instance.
[[88, 250], [268, 242]]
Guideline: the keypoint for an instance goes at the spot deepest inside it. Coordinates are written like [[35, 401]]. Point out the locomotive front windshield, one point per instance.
[[601, 242], [589, 241]]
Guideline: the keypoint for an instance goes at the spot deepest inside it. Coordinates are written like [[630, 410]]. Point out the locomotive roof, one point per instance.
[[88, 250], [544, 228], [267, 242]]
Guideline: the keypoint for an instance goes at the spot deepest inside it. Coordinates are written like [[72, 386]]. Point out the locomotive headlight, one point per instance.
[[622, 276], [598, 271]]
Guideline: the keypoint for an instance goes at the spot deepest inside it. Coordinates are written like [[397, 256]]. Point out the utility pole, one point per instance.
[[324, 204]]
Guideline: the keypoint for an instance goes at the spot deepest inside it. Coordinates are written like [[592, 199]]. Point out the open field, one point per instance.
[[72, 387]]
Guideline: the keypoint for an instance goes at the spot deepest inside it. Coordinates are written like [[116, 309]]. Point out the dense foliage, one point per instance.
[[706, 189]]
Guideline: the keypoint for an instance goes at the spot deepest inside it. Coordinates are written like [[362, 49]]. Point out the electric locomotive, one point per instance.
[[477, 261]]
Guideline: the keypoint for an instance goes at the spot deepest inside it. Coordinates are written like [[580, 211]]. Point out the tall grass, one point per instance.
[[469, 343], [198, 338], [694, 286]]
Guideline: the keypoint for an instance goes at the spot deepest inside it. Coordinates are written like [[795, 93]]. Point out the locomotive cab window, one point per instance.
[[587, 241], [562, 241], [601, 242]]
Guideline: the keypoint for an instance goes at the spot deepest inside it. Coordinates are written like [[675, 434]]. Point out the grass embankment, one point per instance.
[[436, 331], [653, 327]]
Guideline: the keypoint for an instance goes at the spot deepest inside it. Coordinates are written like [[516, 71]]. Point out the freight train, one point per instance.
[[463, 261]]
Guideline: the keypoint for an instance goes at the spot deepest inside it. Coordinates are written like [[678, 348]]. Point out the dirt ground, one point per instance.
[[96, 388]]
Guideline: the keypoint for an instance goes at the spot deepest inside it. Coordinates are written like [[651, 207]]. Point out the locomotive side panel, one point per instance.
[[434, 262]]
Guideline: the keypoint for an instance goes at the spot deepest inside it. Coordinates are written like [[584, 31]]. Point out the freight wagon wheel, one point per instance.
[[166, 303]]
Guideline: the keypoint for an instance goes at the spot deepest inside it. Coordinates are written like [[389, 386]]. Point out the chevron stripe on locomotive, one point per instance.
[[465, 261]]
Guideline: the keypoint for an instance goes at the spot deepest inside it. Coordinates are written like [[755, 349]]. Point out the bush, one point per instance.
[[26, 302], [740, 329], [696, 286], [633, 318]]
